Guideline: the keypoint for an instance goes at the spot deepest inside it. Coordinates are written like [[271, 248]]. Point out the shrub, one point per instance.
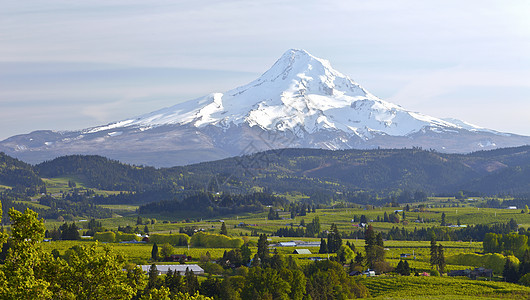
[[122, 237], [212, 268], [202, 239], [178, 239], [105, 237], [494, 261], [434, 273]]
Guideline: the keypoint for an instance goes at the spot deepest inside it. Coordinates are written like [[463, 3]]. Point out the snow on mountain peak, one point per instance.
[[300, 91]]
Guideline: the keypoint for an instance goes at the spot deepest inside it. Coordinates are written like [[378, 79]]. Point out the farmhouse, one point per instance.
[[473, 274], [369, 273], [179, 257], [181, 269]]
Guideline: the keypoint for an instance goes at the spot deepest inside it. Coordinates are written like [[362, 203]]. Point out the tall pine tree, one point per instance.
[[223, 229], [323, 246], [434, 252], [154, 252], [441, 259], [334, 239]]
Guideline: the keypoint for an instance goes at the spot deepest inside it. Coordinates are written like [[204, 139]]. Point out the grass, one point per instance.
[[410, 287], [58, 185], [120, 207], [382, 287], [32, 204]]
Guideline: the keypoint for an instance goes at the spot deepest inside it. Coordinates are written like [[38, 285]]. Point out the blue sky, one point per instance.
[[68, 65]]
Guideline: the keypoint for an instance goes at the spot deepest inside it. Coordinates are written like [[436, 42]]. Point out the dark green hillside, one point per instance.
[[395, 169], [376, 170], [313, 172], [511, 181], [103, 173], [19, 175]]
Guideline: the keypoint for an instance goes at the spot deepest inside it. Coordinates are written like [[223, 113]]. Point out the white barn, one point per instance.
[[181, 269]]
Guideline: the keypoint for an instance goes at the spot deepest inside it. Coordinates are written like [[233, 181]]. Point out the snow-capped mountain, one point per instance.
[[300, 91], [301, 101]]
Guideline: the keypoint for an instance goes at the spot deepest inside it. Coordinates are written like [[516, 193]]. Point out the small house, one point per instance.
[[369, 273], [473, 274], [178, 257]]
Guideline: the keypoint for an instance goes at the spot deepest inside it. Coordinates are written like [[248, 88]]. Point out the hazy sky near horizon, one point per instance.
[[67, 65]]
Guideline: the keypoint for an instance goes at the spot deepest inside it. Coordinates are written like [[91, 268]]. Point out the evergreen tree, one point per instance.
[[153, 277], [373, 247], [245, 253], [406, 269], [443, 220], [154, 252], [272, 215], [399, 268], [363, 219], [334, 239], [263, 249], [524, 266], [323, 246], [192, 283], [369, 243], [441, 259], [510, 273], [223, 229], [313, 227], [434, 253], [385, 217], [168, 278], [379, 239], [513, 225], [359, 259], [69, 232]]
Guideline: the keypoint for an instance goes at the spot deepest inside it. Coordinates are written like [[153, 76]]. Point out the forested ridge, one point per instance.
[[488, 172], [358, 176], [19, 175]]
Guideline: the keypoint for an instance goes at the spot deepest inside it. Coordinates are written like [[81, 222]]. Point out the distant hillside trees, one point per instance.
[[20, 176], [206, 202]]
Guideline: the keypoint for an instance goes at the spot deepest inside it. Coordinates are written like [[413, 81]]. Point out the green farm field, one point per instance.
[[425, 287], [60, 184]]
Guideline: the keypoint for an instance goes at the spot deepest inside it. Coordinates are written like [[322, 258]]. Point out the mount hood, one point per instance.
[[301, 101]]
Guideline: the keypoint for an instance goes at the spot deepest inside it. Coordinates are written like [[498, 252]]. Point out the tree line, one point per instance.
[[96, 272]]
